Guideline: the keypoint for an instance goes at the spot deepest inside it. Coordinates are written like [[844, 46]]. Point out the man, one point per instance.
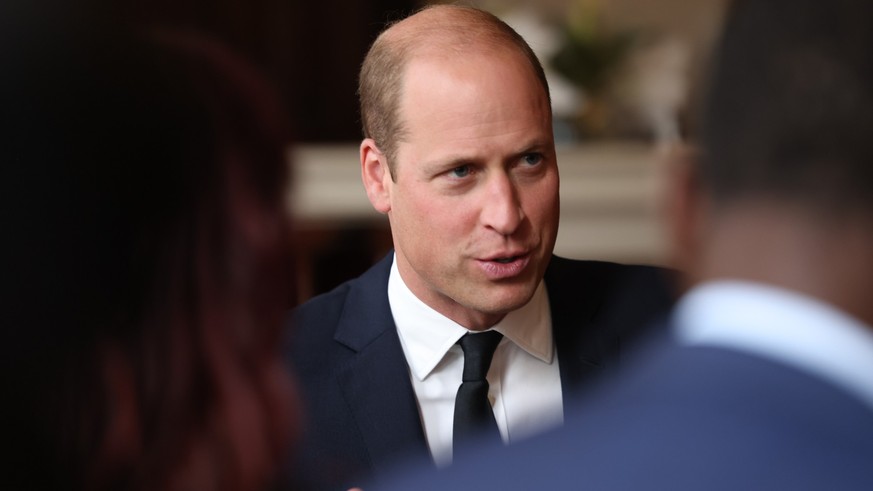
[[767, 381], [459, 153]]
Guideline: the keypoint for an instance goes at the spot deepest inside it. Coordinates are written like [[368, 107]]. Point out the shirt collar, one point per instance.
[[783, 325], [427, 335]]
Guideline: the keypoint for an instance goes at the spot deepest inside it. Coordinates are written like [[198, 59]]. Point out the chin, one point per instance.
[[509, 301]]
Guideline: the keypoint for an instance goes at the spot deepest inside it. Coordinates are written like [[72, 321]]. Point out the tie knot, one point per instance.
[[478, 351]]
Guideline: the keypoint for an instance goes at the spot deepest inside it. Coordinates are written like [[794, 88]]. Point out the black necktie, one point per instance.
[[473, 412]]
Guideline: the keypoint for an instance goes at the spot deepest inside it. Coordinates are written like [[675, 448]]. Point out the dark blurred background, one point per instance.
[[311, 49]]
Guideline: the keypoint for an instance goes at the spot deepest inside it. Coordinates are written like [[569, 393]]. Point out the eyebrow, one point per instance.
[[536, 146], [443, 164], [453, 161]]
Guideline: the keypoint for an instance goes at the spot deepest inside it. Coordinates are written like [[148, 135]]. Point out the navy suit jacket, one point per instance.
[[684, 418], [360, 411]]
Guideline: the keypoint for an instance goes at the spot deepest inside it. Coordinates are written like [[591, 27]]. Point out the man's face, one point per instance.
[[474, 209]]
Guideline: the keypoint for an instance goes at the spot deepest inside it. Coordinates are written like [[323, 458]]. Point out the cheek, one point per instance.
[[434, 218], [542, 204], [416, 224]]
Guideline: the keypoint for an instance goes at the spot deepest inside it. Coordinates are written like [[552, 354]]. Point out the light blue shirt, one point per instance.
[[781, 325]]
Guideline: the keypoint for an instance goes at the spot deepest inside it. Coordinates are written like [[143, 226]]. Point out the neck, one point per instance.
[[830, 258]]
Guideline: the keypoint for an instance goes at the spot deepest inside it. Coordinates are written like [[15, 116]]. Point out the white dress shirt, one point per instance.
[[781, 325], [524, 378]]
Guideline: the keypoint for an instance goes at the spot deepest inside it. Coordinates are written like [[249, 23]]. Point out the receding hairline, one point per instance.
[[447, 30], [435, 32]]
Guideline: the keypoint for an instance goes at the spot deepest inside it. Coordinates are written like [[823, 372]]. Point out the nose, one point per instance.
[[501, 210]]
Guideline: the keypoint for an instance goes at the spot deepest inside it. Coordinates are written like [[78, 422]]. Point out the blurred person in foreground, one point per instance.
[[459, 154], [766, 380], [145, 274]]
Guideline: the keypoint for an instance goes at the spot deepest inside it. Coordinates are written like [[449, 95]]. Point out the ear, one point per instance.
[[685, 208], [376, 177]]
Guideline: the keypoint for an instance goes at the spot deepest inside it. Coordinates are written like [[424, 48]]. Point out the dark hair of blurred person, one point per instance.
[[789, 108], [146, 265]]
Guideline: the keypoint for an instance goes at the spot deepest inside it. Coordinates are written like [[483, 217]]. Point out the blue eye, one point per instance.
[[462, 171], [532, 158]]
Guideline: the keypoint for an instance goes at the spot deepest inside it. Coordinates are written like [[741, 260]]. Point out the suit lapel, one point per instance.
[[572, 312], [600, 310], [375, 381]]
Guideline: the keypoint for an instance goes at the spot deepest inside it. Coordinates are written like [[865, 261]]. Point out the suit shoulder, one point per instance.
[[326, 308], [311, 328], [321, 308], [615, 304], [603, 278]]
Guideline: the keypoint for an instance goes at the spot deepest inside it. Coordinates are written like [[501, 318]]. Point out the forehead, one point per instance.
[[481, 58], [475, 99]]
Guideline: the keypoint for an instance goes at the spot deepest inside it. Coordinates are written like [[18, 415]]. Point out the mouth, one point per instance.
[[505, 266], [507, 260], [507, 256]]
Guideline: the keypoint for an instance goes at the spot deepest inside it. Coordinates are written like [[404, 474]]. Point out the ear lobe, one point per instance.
[[374, 173]]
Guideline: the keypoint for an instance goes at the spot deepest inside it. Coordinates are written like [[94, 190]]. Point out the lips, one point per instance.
[[504, 266], [506, 257]]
